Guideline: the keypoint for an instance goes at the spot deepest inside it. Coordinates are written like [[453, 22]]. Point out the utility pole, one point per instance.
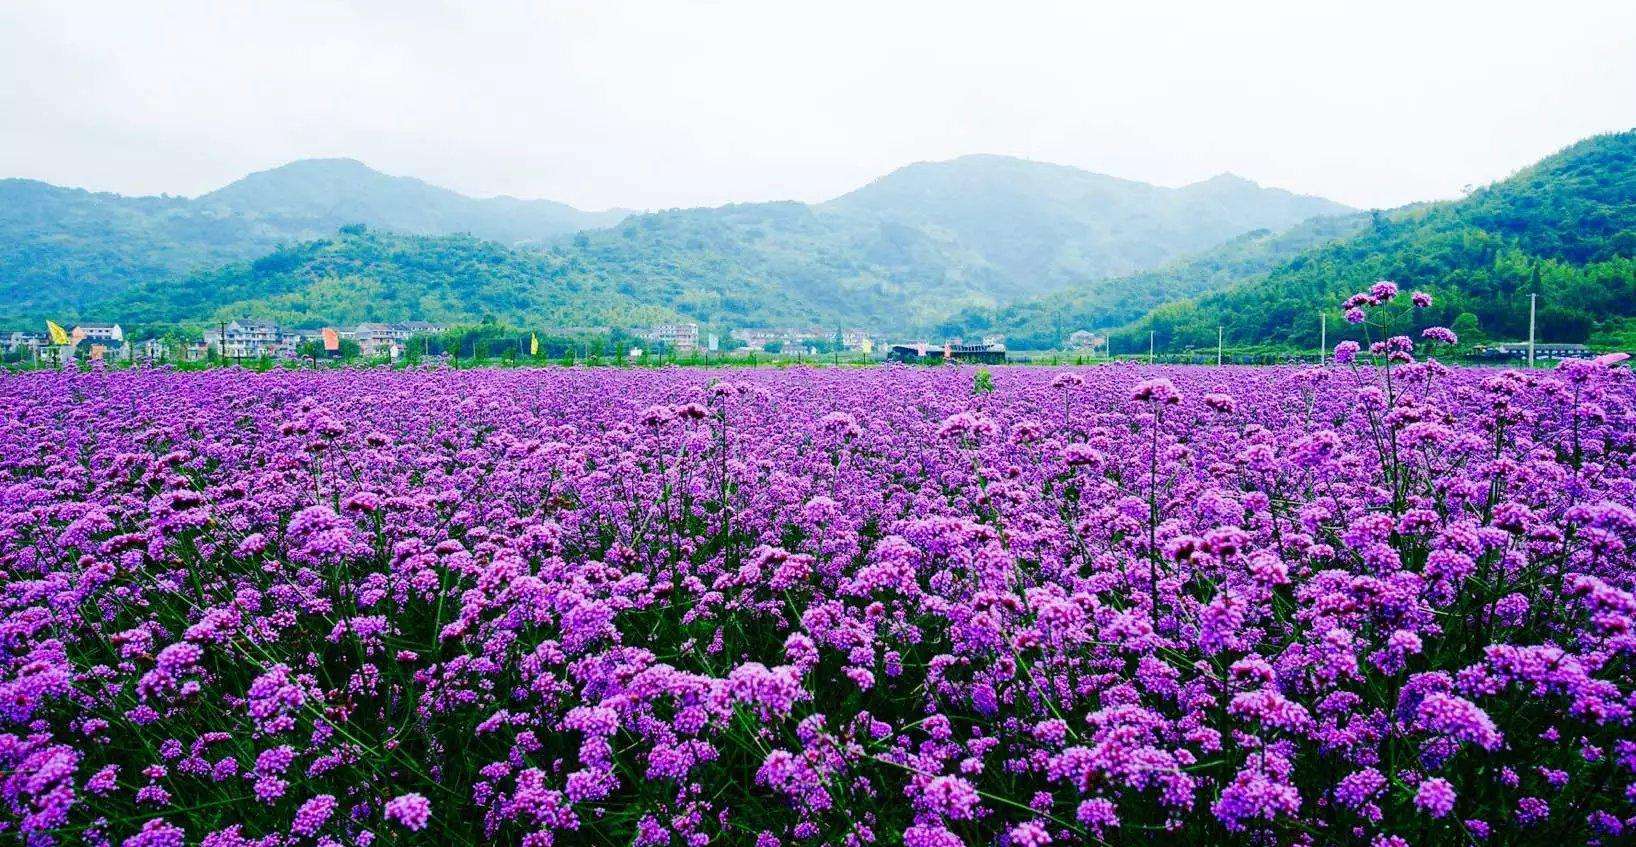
[[1150, 346], [1323, 337], [1533, 300], [1218, 346]]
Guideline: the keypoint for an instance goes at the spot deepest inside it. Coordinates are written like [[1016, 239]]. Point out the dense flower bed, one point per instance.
[[819, 606]]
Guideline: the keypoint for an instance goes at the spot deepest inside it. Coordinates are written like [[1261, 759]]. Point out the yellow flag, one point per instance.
[[57, 333], [533, 344]]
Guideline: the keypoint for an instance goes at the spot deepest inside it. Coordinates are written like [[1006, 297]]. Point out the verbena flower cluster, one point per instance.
[[1338, 605]]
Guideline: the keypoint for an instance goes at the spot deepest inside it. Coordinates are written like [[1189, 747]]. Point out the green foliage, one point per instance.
[[493, 339], [1616, 334], [347, 351], [1468, 328], [982, 382]]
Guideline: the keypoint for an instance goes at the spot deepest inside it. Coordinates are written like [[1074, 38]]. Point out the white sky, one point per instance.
[[663, 104]]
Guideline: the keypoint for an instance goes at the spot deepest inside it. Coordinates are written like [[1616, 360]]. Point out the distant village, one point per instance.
[[249, 339], [239, 339]]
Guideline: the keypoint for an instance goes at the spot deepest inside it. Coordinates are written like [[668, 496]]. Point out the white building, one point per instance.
[[388, 339], [682, 338], [756, 338], [1084, 339], [376, 339], [107, 334], [856, 339], [246, 339], [21, 340]]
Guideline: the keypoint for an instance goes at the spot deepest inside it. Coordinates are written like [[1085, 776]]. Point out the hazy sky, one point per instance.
[[663, 104]]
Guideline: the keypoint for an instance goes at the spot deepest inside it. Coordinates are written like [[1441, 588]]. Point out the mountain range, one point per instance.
[[904, 251], [979, 244]]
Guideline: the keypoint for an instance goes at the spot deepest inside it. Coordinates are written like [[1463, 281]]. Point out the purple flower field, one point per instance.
[[815, 606]]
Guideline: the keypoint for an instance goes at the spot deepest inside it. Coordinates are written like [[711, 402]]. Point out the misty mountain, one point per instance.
[[68, 252], [1040, 226], [312, 198], [906, 251], [921, 243]]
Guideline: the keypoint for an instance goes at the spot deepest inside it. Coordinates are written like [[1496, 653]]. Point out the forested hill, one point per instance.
[[1045, 322], [365, 275], [1564, 228], [68, 253]]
